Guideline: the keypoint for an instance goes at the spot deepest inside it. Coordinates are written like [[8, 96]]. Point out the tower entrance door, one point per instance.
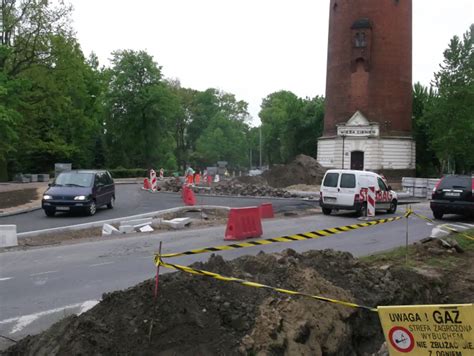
[[357, 160]]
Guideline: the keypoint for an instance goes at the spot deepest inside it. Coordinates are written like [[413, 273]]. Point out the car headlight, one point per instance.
[[47, 197], [80, 197]]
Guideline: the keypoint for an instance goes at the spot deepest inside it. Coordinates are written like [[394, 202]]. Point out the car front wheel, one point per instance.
[[393, 207], [92, 209], [50, 212]]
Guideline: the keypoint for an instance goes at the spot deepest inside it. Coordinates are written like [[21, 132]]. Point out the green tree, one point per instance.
[[310, 128], [60, 110], [223, 140], [140, 111], [8, 118], [281, 115], [450, 114], [426, 161], [27, 28]]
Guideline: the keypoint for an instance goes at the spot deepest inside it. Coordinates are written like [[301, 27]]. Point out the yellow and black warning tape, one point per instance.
[[160, 262], [287, 238], [282, 239], [445, 226]]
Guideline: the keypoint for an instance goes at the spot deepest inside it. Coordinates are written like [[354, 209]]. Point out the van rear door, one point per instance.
[[329, 187], [347, 189]]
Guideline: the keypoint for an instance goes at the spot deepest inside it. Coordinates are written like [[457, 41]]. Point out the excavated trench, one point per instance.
[[196, 315]]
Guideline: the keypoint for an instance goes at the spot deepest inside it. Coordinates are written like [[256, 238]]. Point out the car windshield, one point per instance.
[[74, 179]]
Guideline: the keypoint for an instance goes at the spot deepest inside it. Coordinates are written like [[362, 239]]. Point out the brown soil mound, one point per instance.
[[201, 316], [303, 170]]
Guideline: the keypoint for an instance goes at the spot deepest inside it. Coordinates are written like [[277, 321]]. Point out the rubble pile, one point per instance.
[[302, 170], [202, 316], [234, 187]]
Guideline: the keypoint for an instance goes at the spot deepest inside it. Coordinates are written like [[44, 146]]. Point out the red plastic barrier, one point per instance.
[[266, 211], [190, 179], [243, 223], [197, 178], [188, 196]]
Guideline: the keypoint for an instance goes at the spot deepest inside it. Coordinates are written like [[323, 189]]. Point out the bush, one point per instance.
[[128, 172]]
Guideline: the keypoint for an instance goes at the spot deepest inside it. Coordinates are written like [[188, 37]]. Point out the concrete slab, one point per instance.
[[178, 223], [8, 236], [146, 228], [126, 229], [109, 230], [137, 222]]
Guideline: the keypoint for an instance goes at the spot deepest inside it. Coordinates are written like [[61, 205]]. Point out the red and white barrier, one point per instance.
[[153, 181], [371, 202]]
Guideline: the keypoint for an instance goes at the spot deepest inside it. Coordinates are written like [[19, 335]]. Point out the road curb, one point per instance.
[[19, 211], [244, 196], [115, 220]]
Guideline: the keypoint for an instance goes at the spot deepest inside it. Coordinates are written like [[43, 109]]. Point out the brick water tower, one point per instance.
[[367, 123]]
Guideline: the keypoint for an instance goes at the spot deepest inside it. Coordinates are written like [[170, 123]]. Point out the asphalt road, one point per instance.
[[40, 286], [131, 200]]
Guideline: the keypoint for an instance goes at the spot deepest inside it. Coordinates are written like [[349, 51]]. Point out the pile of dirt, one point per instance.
[[303, 170], [202, 316]]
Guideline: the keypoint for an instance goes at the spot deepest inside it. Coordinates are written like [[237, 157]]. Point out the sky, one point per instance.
[[250, 48]]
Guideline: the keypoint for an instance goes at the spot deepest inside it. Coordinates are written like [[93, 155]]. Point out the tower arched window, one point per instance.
[[360, 40]]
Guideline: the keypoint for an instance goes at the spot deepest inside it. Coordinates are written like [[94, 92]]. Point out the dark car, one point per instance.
[[82, 190], [454, 194]]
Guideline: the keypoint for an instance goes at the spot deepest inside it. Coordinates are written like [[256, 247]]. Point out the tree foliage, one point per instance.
[[57, 105], [140, 111], [290, 125], [448, 116]]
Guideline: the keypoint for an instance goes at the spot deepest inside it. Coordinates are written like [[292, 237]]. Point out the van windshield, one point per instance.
[[331, 180], [70, 179]]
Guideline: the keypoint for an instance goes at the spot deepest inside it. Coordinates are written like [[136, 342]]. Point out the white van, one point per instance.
[[347, 190]]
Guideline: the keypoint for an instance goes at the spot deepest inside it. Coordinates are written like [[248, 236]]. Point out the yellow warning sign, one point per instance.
[[429, 330]]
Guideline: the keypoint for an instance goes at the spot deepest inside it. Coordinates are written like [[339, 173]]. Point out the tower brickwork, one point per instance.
[[369, 73]]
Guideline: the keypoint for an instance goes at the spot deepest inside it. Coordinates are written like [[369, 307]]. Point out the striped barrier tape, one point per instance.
[[282, 239], [446, 226], [287, 238], [159, 262]]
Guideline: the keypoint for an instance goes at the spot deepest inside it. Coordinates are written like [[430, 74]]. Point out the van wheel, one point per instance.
[[111, 204], [327, 211], [363, 210], [393, 207]]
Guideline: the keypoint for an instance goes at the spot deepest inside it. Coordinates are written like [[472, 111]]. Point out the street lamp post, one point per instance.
[[343, 139]]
